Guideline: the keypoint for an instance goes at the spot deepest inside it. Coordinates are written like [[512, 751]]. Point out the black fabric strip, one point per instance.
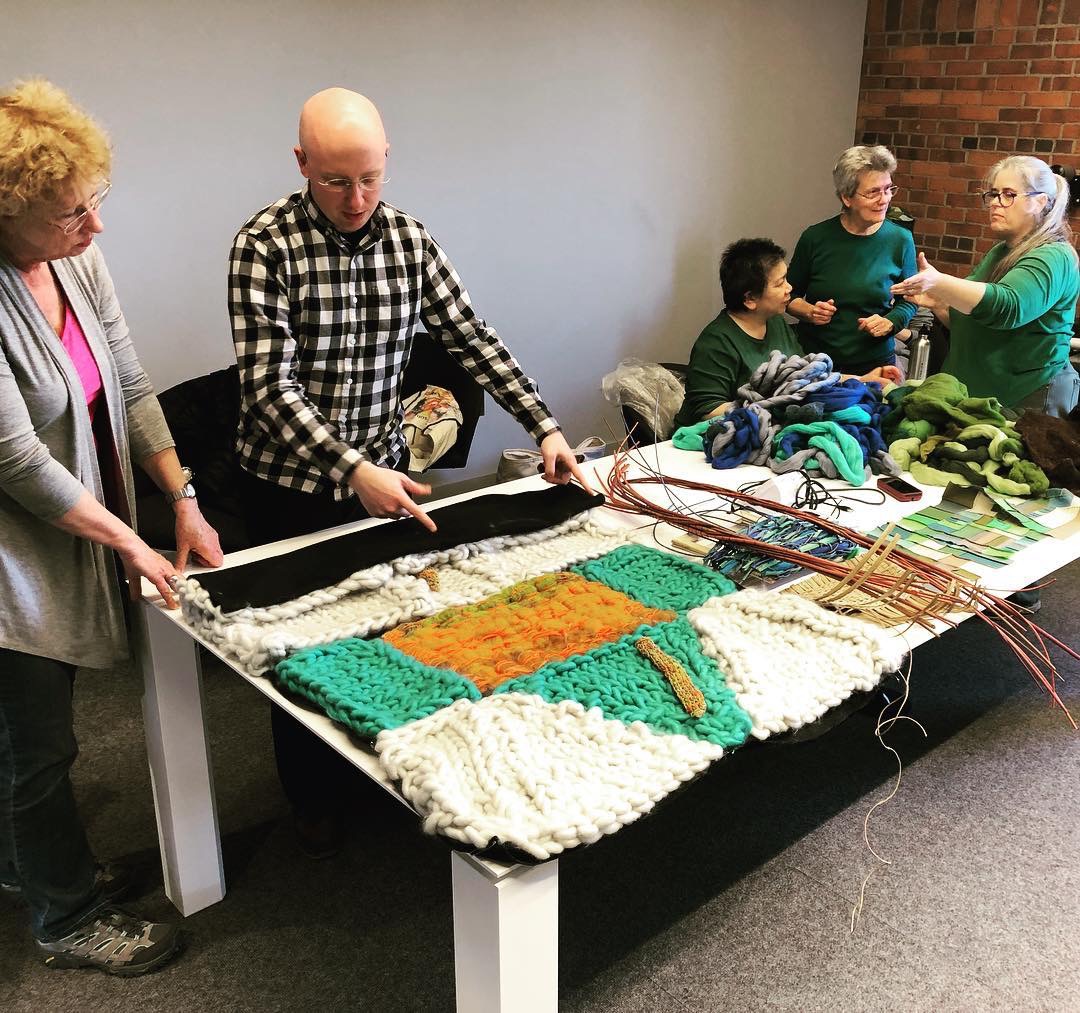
[[279, 578]]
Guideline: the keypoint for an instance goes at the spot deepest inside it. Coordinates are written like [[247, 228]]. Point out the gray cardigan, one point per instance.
[[59, 595]]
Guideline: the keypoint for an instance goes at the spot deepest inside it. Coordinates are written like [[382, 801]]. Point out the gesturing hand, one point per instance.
[[927, 278], [387, 493]]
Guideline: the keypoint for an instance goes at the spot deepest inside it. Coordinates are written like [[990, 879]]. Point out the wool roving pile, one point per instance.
[[944, 437], [540, 777], [796, 413], [787, 659]]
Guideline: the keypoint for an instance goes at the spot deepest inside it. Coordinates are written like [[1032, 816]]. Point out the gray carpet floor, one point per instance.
[[737, 894]]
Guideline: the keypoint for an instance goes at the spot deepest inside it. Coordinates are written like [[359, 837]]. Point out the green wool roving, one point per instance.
[[626, 686], [657, 579], [368, 685]]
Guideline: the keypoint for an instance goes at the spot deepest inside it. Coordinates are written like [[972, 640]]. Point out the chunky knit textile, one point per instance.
[[369, 686], [626, 686], [539, 777], [789, 660], [656, 578], [524, 627], [278, 579], [380, 597]]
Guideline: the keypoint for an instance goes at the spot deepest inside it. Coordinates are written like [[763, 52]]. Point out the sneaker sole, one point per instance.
[[59, 962]]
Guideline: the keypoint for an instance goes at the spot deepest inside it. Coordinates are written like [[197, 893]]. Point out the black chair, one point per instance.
[[203, 413], [639, 430]]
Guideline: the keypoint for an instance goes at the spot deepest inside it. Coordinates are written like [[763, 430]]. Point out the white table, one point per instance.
[[505, 916]]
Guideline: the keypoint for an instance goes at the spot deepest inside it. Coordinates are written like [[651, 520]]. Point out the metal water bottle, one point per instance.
[[919, 353]]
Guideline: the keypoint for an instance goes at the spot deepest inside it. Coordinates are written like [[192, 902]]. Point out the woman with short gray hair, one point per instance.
[[843, 268]]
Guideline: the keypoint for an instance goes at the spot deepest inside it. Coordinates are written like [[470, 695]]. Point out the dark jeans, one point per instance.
[[43, 847], [313, 776]]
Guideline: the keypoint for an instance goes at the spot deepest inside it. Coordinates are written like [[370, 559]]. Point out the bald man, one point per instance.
[[327, 287]]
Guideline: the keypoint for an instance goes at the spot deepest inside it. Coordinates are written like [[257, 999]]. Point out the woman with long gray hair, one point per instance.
[[1011, 319], [842, 270]]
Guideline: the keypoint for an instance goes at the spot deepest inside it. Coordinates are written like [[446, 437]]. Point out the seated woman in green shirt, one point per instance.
[[842, 270], [753, 279], [1011, 319]]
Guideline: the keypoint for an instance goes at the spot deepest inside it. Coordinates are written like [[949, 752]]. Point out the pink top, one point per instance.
[[74, 340]]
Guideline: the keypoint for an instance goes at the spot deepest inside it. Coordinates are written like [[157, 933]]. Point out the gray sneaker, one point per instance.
[[116, 942]]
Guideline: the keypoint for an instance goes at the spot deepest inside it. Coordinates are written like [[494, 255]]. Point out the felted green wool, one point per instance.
[[626, 686], [368, 685], [918, 428], [689, 437], [657, 579], [925, 475], [905, 451]]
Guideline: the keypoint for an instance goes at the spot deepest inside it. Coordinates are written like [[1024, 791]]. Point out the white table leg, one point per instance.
[[506, 936], [179, 762]]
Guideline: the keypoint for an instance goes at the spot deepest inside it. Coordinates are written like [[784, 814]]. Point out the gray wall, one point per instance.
[[583, 163]]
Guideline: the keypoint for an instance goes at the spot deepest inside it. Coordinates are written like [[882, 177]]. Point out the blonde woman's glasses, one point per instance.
[[73, 221]]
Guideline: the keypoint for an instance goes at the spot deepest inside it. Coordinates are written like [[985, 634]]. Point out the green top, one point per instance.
[[722, 360], [1017, 338], [857, 273]]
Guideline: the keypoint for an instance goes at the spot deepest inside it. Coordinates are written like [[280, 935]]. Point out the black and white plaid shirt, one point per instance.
[[323, 330]]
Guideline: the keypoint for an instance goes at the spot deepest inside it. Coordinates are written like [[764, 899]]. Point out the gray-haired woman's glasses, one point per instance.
[[1005, 198], [73, 221]]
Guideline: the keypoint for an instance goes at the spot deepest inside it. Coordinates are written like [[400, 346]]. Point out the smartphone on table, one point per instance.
[[897, 488]]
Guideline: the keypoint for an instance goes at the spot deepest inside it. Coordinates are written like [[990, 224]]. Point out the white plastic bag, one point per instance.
[[650, 389]]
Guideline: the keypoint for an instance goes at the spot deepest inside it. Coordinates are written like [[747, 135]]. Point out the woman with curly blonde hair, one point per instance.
[[76, 409]]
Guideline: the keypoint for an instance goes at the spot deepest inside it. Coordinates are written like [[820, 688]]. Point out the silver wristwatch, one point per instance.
[[186, 491]]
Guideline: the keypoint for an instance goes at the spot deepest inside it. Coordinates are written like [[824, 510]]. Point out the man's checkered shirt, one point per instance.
[[323, 331]]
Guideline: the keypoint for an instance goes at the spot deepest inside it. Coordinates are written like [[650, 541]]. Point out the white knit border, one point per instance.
[[537, 776], [788, 659]]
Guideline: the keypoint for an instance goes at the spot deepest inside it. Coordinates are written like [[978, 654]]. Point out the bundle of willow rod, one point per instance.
[[910, 591]]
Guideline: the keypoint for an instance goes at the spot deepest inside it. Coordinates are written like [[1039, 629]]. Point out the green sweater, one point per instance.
[[1017, 338], [722, 360], [857, 273]]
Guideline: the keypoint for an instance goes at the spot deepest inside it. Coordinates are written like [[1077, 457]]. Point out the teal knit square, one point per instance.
[[627, 687], [368, 685], [657, 579]]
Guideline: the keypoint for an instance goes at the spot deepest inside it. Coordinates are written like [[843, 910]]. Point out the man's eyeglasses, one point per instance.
[[73, 221], [878, 192], [344, 185], [1005, 198]]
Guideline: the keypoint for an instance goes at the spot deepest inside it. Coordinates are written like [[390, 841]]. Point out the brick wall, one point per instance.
[[951, 86]]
